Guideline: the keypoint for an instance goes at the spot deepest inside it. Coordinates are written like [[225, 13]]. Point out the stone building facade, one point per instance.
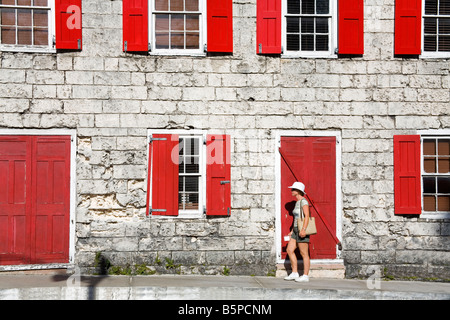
[[111, 103]]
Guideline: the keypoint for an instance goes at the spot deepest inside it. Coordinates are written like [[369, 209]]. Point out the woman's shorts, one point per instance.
[[297, 238]]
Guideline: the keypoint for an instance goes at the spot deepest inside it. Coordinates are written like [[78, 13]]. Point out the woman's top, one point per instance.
[[298, 210]]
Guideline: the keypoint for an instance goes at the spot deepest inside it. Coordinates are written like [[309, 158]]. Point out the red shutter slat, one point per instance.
[[408, 27], [407, 181], [135, 25], [68, 33], [351, 26], [164, 174], [268, 26], [220, 25], [218, 175]]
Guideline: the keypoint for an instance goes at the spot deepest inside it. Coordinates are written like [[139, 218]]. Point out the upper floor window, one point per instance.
[[26, 24], [436, 26], [177, 25], [309, 27]]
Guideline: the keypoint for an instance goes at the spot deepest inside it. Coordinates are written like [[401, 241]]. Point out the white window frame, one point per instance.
[[200, 212], [332, 39], [50, 48], [431, 134], [201, 51], [430, 54]]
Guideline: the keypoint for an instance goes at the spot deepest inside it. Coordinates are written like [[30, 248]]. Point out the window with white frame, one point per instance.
[[26, 24], [190, 175], [177, 25], [309, 27], [436, 174], [436, 26]]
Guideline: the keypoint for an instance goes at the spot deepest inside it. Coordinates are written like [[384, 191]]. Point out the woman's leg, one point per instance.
[[305, 255], [292, 245]]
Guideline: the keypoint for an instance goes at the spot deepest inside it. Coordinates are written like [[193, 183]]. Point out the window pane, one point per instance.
[[192, 40], [162, 5], [322, 43], [444, 165], [24, 36], [444, 147], [40, 3], [444, 26], [293, 25], [7, 2], [8, 17], [24, 2], [307, 25], [308, 6], [430, 6], [293, 42], [40, 37], [444, 7], [191, 183], [192, 23], [429, 165], [177, 23], [321, 25], [192, 165], [430, 25], [8, 35], [40, 18], [24, 18], [429, 185], [430, 43], [429, 147], [162, 22], [162, 40], [307, 42], [293, 6], [322, 6], [444, 43], [443, 185], [444, 203], [190, 201], [176, 5], [429, 203], [191, 5]]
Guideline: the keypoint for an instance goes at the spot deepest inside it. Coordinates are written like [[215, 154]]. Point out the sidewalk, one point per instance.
[[195, 287]]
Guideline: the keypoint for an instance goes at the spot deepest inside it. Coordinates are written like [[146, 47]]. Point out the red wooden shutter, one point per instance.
[[218, 175], [68, 24], [135, 25], [408, 17], [351, 26], [164, 174], [220, 25], [268, 26], [51, 199], [407, 182]]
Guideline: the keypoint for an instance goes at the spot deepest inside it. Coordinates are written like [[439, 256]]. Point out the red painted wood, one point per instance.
[[164, 173], [408, 27], [135, 25], [351, 26], [314, 162], [35, 201], [268, 26], [218, 175], [220, 25], [407, 181], [68, 24]]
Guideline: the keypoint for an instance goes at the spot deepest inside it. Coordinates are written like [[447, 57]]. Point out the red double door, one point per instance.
[[313, 161], [34, 199]]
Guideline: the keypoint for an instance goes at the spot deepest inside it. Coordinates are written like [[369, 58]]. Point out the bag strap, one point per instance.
[[301, 206]]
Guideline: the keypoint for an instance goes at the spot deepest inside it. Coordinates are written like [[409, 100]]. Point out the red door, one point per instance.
[[34, 200], [313, 160]]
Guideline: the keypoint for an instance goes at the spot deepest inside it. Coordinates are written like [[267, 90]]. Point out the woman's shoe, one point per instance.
[[292, 276], [303, 278]]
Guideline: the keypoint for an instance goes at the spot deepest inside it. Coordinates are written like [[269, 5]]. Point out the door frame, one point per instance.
[[73, 195], [307, 133]]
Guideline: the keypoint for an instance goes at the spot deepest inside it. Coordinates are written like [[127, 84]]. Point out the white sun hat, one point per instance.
[[299, 186]]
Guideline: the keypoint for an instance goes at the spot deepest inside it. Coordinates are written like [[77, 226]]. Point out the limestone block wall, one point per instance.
[[113, 98]]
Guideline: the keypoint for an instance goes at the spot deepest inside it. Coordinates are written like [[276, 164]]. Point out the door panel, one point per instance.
[[313, 160]]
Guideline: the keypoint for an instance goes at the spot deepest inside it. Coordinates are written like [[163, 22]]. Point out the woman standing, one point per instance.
[[299, 237]]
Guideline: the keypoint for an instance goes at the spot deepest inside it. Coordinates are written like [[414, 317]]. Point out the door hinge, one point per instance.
[[260, 48], [151, 139], [125, 46]]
